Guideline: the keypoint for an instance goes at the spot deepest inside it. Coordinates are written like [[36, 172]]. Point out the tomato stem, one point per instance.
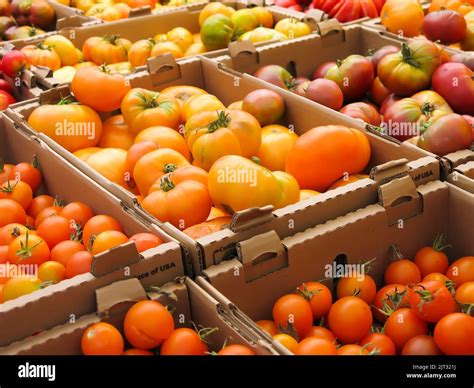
[[408, 56], [166, 184], [25, 250], [35, 162], [438, 244], [222, 121]]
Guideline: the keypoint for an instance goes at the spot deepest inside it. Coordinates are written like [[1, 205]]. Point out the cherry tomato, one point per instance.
[[321, 332], [454, 334], [286, 340], [145, 241], [403, 325], [236, 350], [11, 231], [421, 345], [461, 271], [99, 224], [28, 249], [432, 259], [78, 263], [315, 346], [51, 271], [318, 296], [102, 339], [11, 212], [352, 350], [379, 343], [293, 311], [465, 293], [19, 286], [17, 191], [56, 229], [402, 272], [137, 352], [79, 212], [393, 296], [268, 326], [362, 287], [63, 251], [46, 213], [184, 342], [28, 173], [107, 240], [40, 203]]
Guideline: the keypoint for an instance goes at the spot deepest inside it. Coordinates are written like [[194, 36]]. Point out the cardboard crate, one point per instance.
[[388, 159], [463, 177], [406, 216], [191, 304], [305, 54], [55, 304]]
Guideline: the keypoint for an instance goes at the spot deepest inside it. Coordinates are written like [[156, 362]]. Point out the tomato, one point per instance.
[[164, 137], [416, 111], [101, 339], [354, 75], [216, 32], [11, 231], [104, 12], [308, 160], [465, 294], [183, 92], [362, 111], [293, 312], [267, 106], [382, 52], [432, 259], [378, 92], [394, 296], [360, 286], [28, 173], [5, 171], [106, 50], [403, 17], [467, 44], [51, 271], [212, 9], [325, 92], [379, 343], [11, 212], [28, 249], [276, 75], [455, 5], [78, 212], [421, 345], [445, 26], [99, 88], [184, 342], [350, 319], [13, 63], [292, 28], [447, 134], [454, 334], [264, 16], [322, 69], [352, 350], [461, 271], [161, 48], [216, 213], [140, 51], [318, 296], [437, 276], [200, 103], [286, 340], [315, 346], [137, 352], [321, 332], [145, 241], [42, 56], [185, 173], [107, 240], [460, 97], [402, 272], [79, 263], [410, 70], [268, 326], [388, 102], [19, 286], [402, 325], [97, 225], [110, 162], [147, 324], [208, 227], [64, 250], [236, 350], [243, 20], [134, 154], [64, 48], [56, 229], [17, 191], [305, 194], [51, 211], [72, 126], [143, 108], [84, 153]]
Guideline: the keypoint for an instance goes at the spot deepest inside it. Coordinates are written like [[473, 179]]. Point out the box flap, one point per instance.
[[70, 21], [397, 191], [248, 218], [163, 68], [115, 258], [129, 290], [243, 53], [140, 11], [54, 95], [460, 157], [41, 71], [326, 27], [390, 170]]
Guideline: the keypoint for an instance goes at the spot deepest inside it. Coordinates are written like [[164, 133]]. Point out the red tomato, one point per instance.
[[454, 334], [362, 111], [236, 350], [145, 241], [350, 319], [380, 344], [325, 92], [56, 229], [403, 325], [28, 173], [13, 62], [321, 332], [393, 296], [322, 69], [79, 212], [293, 311], [446, 26], [318, 296], [421, 345], [11, 212], [184, 342], [78, 264], [315, 346], [402, 272], [461, 271], [432, 259]]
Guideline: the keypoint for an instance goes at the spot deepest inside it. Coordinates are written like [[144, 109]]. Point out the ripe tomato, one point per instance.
[[28, 173], [382, 52], [19, 286], [236, 350], [97, 225], [402, 325], [268, 326], [51, 271], [137, 352], [362, 287], [362, 111], [461, 271], [421, 345], [109, 162], [53, 230], [183, 92], [28, 249], [432, 259], [39, 203], [403, 16], [315, 346], [323, 91], [11, 212], [321, 332], [465, 294], [145, 241], [378, 92], [394, 296], [439, 277], [184, 342], [277, 141], [286, 340], [108, 49], [64, 250], [17, 191], [200, 103], [51, 211], [164, 137], [4, 257], [402, 272], [445, 26], [14, 62], [42, 56], [107, 240], [293, 312], [78, 212], [115, 134], [102, 339], [350, 319], [5, 170], [266, 105], [134, 154], [379, 343], [352, 350], [454, 334], [78, 263], [147, 324], [318, 296], [140, 51], [11, 231]]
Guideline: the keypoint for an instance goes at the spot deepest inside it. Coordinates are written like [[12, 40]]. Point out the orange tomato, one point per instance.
[[403, 325], [181, 174], [165, 47], [268, 326], [134, 154], [305, 194], [78, 212], [200, 103], [107, 240], [56, 229], [108, 49], [5, 170], [362, 287], [183, 92], [432, 259], [137, 352], [28, 249], [402, 272], [78, 263], [51, 271], [84, 153], [51, 211], [115, 134], [145, 241], [97, 225], [140, 51], [11, 212], [63, 251], [344, 181], [236, 350], [321, 332], [379, 343], [352, 350], [286, 340], [315, 346], [110, 162], [17, 191], [216, 213], [293, 311], [39, 203], [102, 339], [165, 137], [11, 231], [19, 286], [28, 173], [421, 345], [208, 227], [465, 293], [461, 271], [277, 142], [393, 296], [318, 296], [42, 56], [403, 17]]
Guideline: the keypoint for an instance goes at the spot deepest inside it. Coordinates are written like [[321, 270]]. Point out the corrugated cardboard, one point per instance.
[[56, 304], [353, 238], [191, 305], [303, 115], [463, 177]]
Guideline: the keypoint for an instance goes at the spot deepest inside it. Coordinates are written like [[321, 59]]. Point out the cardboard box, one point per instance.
[[406, 216], [463, 177], [191, 304], [305, 54], [74, 297], [388, 159]]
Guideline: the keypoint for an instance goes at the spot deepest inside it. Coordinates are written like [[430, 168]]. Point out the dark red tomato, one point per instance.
[[354, 75], [276, 75], [391, 99], [6, 99], [421, 345], [379, 343], [455, 82], [300, 89], [378, 92], [13, 63], [381, 52], [325, 92], [447, 134], [5, 86], [446, 26], [322, 69], [362, 111]]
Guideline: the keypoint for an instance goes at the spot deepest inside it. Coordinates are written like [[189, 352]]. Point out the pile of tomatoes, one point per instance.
[[43, 241], [149, 329], [390, 88], [424, 308]]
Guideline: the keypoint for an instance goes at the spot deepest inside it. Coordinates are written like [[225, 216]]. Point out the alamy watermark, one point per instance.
[[75, 128], [241, 176]]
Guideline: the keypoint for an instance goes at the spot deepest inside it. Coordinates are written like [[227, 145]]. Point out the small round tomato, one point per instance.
[[11, 231], [137, 352], [293, 312], [268, 326], [402, 272], [465, 294], [286, 340], [432, 259], [102, 339], [393, 296], [350, 319], [446, 26], [322, 69], [403, 325], [360, 286], [28, 173], [51, 211], [64, 250], [321, 332], [461, 271], [28, 249], [315, 346], [318, 296], [78, 263], [266, 105], [325, 92], [363, 111], [236, 350], [378, 92], [421, 345], [454, 334], [79, 212], [437, 276], [3, 256], [99, 224], [380, 344], [147, 324], [51, 271], [184, 342], [11, 212], [352, 350], [39, 203], [145, 241], [19, 286], [56, 229], [107, 240], [17, 191]]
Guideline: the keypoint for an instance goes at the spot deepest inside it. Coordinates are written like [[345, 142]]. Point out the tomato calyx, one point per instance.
[[339, 62], [256, 160], [58, 202], [222, 121], [305, 293], [395, 299], [112, 39], [76, 235], [15, 232], [467, 308], [68, 100], [26, 250], [289, 330], [205, 332], [428, 108], [42, 46], [438, 244], [395, 253], [169, 167], [408, 56], [9, 188], [150, 101], [166, 184]]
